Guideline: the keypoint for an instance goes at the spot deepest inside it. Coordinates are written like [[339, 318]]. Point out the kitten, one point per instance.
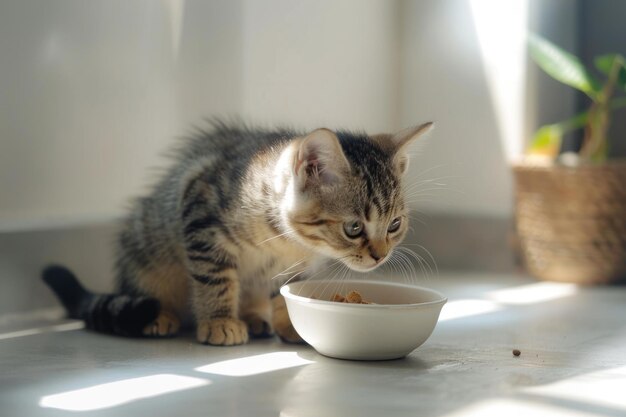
[[239, 207]]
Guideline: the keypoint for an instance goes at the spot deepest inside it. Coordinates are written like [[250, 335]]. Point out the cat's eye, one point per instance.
[[395, 225], [353, 229]]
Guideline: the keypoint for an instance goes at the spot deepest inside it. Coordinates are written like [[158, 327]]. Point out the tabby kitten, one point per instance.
[[239, 207]]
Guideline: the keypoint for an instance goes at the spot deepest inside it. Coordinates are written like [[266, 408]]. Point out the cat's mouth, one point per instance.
[[359, 266]]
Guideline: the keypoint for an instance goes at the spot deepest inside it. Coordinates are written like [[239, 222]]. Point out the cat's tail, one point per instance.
[[123, 315]]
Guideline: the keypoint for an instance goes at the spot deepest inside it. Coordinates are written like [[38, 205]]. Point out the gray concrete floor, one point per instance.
[[572, 363]]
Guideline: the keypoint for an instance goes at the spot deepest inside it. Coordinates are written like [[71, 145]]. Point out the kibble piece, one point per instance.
[[516, 352], [354, 297], [339, 298]]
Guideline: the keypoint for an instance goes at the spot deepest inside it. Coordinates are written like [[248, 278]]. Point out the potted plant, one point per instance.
[[571, 208]]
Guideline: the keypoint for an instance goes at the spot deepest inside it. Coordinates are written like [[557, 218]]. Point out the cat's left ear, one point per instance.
[[320, 159], [399, 143]]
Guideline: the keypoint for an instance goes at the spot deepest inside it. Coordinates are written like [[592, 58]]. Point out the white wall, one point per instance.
[[322, 63], [92, 92], [465, 66], [444, 80]]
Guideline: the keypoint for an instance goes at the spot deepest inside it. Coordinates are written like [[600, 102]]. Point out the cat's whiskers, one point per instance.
[[411, 195], [423, 191], [423, 187], [285, 271], [414, 192], [333, 265], [430, 255], [417, 219], [343, 279], [294, 276], [407, 260], [418, 190], [419, 179], [396, 268], [333, 278], [404, 268], [421, 259], [430, 169], [431, 180], [275, 237]]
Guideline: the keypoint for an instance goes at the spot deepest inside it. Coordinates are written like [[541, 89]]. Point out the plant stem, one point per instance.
[[594, 142]]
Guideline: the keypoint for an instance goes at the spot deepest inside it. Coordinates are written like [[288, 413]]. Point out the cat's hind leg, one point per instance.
[[168, 283], [166, 324], [258, 315], [281, 322]]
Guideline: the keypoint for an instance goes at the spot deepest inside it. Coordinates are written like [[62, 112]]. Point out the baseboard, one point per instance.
[[455, 243], [466, 243], [87, 250]]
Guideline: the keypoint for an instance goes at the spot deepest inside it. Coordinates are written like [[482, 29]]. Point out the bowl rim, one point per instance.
[[285, 292]]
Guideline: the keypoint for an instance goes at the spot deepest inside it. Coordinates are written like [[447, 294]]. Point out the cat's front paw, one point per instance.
[[222, 332], [281, 322]]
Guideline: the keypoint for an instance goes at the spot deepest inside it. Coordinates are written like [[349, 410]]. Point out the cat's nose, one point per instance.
[[378, 251]]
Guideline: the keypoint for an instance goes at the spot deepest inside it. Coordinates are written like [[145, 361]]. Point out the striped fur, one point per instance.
[[106, 313], [240, 206]]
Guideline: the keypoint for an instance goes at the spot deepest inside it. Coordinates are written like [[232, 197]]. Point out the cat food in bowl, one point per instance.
[[397, 320]]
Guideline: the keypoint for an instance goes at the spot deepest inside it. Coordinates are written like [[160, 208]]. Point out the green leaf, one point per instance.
[[605, 62], [576, 122], [562, 65], [547, 141]]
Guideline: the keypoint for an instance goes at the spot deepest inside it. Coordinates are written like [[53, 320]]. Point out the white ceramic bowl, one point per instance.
[[401, 319]]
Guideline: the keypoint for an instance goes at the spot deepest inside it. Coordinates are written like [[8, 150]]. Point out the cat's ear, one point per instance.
[[398, 143], [320, 159]]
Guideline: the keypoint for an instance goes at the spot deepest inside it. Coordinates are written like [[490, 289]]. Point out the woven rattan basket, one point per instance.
[[571, 222]]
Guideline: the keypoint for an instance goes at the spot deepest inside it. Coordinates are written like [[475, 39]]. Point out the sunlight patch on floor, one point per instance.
[[120, 392], [602, 390], [605, 388], [46, 329], [533, 293], [515, 408], [497, 300], [254, 365]]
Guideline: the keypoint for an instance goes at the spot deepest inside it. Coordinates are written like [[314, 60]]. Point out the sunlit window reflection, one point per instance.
[[120, 392]]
